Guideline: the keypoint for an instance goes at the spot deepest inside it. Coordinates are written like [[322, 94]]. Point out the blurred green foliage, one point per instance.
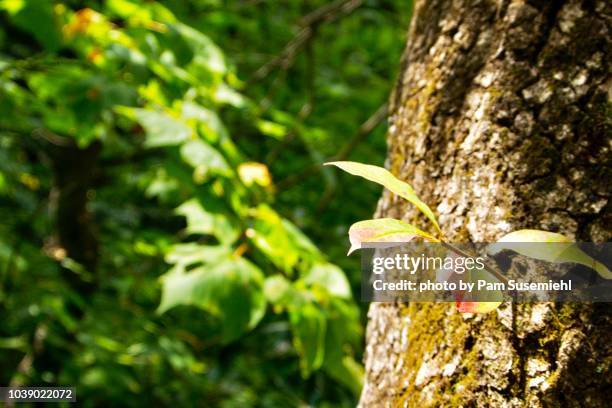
[[168, 235]]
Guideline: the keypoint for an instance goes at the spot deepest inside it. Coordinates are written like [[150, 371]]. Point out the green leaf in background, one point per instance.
[[138, 13], [560, 249], [300, 240], [16, 343], [206, 53], [384, 230], [269, 235], [204, 158], [278, 290], [201, 221], [308, 325], [272, 129], [36, 18], [191, 253], [161, 129], [211, 129], [76, 103], [231, 290], [223, 94], [331, 278], [342, 332], [386, 179]]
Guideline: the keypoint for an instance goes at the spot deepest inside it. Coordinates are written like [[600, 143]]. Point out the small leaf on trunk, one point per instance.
[[386, 179], [477, 307], [384, 230], [560, 249]]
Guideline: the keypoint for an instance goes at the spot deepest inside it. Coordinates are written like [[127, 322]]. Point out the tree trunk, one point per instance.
[[500, 120]]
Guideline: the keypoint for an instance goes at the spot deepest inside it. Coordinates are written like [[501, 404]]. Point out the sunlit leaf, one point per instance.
[[232, 290], [551, 247], [384, 230], [201, 221], [331, 278], [192, 253], [385, 178], [161, 128], [204, 158], [531, 235], [300, 240], [205, 51], [278, 290], [272, 239], [254, 173], [272, 129], [211, 128], [225, 94], [141, 14]]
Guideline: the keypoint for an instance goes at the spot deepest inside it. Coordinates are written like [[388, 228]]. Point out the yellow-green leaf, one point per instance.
[[231, 290], [560, 249], [386, 179], [161, 128], [384, 230]]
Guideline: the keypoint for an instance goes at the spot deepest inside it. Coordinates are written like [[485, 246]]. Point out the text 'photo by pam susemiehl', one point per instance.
[[486, 272]]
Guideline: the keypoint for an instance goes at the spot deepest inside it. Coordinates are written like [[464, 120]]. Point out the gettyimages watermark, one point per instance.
[[486, 272]]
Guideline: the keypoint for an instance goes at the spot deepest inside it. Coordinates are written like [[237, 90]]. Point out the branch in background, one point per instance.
[[364, 130], [309, 23], [345, 151], [306, 108], [53, 138], [330, 12], [25, 364]]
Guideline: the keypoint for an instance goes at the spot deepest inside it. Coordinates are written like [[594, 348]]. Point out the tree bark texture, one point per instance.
[[501, 120]]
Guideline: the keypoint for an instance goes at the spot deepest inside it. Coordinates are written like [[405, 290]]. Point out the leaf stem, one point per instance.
[[492, 270]]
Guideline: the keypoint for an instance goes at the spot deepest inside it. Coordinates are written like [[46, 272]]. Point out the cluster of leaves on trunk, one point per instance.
[[560, 250]]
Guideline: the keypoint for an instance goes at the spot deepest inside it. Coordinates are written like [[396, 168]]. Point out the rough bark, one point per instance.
[[500, 120]]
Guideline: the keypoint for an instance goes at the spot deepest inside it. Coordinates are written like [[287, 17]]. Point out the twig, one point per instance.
[[304, 111], [53, 138], [330, 12], [364, 130], [309, 23], [24, 366], [491, 269]]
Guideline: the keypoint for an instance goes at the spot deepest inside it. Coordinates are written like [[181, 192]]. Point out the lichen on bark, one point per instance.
[[500, 119]]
